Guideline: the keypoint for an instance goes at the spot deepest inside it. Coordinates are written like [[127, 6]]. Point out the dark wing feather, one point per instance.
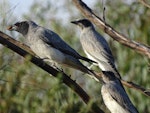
[[96, 46], [55, 41], [121, 97], [105, 50]]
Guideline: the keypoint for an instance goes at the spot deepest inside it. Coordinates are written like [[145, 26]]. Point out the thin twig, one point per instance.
[[133, 86], [136, 87]]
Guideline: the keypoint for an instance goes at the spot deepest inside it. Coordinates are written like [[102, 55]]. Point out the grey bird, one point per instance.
[[96, 47], [48, 45], [114, 95]]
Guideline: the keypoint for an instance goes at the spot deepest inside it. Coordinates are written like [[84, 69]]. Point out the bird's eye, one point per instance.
[[17, 24]]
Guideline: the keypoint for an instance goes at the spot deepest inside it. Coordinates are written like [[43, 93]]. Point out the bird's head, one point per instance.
[[83, 23], [108, 76], [21, 27]]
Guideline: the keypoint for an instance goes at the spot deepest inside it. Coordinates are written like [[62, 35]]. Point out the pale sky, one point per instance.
[[17, 8], [22, 6]]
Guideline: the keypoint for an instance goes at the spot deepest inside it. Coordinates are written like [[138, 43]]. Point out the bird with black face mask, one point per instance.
[[48, 45], [96, 47], [114, 95]]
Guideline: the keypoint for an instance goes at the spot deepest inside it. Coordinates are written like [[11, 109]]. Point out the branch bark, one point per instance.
[[136, 87], [88, 13], [24, 50]]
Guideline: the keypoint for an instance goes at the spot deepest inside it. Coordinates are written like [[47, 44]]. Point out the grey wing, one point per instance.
[[98, 47], [121, 97], [55, 41], [105, 49], [107, 54]]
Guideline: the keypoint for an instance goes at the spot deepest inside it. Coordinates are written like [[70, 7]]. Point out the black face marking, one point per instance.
[[109, 75], [85, 22], [19, 24], [22, 27]]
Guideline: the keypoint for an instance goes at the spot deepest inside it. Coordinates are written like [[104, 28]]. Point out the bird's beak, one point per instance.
[[12, 27], [74, 22], [78, 23]]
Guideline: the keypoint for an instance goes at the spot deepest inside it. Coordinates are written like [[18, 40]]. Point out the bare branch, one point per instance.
[[144, 2], [87, 12], [133, 86], [136, 87], [24, 50]]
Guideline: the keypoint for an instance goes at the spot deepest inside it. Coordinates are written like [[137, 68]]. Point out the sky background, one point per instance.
[[13, 10], [22, 6]]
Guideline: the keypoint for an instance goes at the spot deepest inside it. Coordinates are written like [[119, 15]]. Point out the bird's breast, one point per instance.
[[111, 103]]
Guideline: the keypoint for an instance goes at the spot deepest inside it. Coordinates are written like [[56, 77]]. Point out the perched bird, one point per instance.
[[96, 47], [114, 95], [48, 45]]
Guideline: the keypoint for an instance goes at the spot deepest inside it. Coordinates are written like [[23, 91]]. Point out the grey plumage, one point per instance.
[[114, 95], [48, 45], [96, 47]]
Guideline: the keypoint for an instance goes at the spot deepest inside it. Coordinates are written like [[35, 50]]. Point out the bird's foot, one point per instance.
[[41, 61], [58, 68]]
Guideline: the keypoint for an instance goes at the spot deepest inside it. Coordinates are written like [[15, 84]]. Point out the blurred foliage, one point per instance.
[[26, 88]]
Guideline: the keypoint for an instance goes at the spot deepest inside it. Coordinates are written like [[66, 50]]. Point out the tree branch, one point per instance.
[[88, 13], [133, 86], [144, 2], [136, 87], [24, 50]]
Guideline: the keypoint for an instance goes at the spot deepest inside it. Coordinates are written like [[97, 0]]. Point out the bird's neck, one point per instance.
[[88, 29]]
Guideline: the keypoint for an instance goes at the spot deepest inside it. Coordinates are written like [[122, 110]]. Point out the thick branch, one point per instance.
[[87, 12], [24, 50]]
